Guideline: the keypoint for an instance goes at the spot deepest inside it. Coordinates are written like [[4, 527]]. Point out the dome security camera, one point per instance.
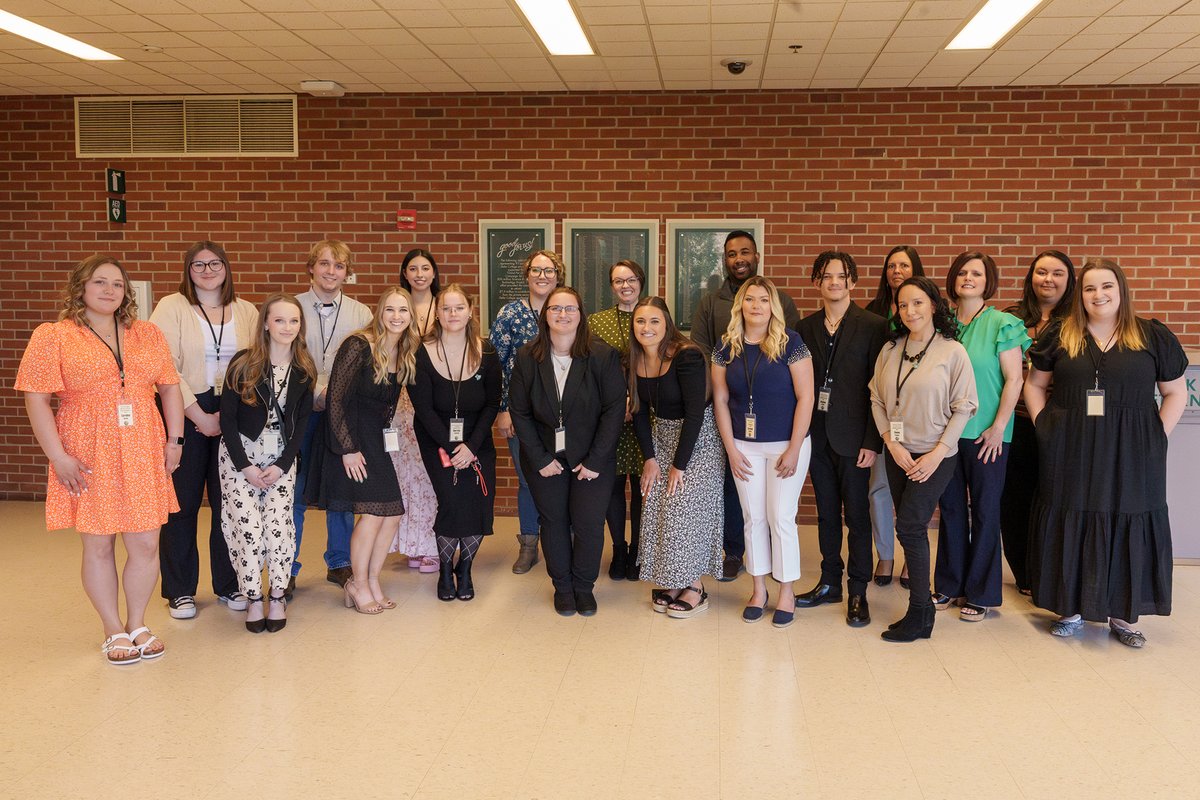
[[736, 66]]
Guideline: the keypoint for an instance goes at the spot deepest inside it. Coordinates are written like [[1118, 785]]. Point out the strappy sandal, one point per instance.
[[148, 655], [660, 599], [970, 612], [111, 645], [682, 609], [941, 601]]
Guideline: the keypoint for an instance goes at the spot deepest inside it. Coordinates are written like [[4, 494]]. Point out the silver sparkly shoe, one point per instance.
[[1066, 627], [1128, 636]]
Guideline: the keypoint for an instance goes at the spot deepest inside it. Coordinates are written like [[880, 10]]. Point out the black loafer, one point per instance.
[[858, 613], [585, 603], [821, 593], [564, 604]]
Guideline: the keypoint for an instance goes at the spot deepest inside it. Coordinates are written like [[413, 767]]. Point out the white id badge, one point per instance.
[[823, 400], [271, 442], [897, 431], [456, 429], [124, 415], [1095, 402], [391, 440], [560, 439], [751, 426], [218, 383]]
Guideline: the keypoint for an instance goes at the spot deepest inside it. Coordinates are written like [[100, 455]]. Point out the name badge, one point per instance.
[[1095, 402], [560, 439], [391, 440], [897, 430], [124, 415], [751, 426], [218, 383], [271, 442], [823, 400], [456, 429]]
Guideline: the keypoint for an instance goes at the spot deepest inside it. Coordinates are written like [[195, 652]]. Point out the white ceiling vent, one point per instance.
[[192, 125]]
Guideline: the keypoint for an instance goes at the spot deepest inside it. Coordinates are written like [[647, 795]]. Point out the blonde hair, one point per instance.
[[406, 347], [1074, 333], [474, 341], [774, 344], [246, 373], [73, 307]]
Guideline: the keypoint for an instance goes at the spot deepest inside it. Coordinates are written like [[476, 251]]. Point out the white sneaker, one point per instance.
[[236, 601], [182, 607]]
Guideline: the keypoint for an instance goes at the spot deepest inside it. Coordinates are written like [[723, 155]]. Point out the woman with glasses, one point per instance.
[[205, 324], [516, 325], [612, 327], [568, 403]]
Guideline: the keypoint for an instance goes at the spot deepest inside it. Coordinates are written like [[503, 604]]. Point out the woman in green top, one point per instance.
[[613, 327], [969, 563]]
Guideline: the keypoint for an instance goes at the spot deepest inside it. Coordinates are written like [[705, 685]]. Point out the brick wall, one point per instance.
[[1111, 171]]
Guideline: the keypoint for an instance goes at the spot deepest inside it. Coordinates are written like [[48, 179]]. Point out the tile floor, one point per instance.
[[501, 698]]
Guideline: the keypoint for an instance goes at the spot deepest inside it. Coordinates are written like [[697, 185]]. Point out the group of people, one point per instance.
[[1034, 431]]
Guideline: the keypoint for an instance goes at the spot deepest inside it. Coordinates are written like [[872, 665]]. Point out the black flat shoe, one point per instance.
[[585, 604], [821, 593], [755, 613], [858, 613], [633, 570], [904, 577], [616, 569], [257, 626], [564, 604]]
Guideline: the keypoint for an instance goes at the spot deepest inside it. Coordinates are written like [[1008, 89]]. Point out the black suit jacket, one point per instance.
[[848, 425], [237, 417], [593, 403]]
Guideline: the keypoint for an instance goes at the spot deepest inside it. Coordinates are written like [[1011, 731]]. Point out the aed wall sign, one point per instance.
[[114, 183]]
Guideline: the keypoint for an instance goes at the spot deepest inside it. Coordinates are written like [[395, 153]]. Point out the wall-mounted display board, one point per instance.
[[696, 260], [504, 244], [592, 246]]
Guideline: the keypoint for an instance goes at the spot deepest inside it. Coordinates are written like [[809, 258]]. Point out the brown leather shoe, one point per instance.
[[730, 568], [339, 576]]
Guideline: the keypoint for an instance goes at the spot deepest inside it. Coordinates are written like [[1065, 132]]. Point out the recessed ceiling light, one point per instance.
[[556, 25], [992, 23], [43, 35]]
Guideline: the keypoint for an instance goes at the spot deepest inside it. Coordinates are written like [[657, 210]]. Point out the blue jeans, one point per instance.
[[338, 524], [526, 510]]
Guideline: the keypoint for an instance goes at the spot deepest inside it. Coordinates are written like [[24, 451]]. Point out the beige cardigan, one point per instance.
[[180, 324]]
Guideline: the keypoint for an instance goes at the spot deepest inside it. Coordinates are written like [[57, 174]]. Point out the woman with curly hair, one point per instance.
[[110, 458]]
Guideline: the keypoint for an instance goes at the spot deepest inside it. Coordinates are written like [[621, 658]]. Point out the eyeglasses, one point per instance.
[[563, 309], [216, 265], [549, 272], [624, 281]]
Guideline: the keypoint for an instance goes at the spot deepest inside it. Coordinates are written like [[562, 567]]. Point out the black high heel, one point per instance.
[[904, 577], [258, 625], [466, 590], [445, 586], [881, 578], [275, 625]]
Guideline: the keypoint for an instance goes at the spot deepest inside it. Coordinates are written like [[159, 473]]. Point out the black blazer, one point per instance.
[[239, 418], [593, 405], [848, 425]]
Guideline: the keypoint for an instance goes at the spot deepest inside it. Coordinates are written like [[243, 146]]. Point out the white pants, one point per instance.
[[257, 523], [769, 505]]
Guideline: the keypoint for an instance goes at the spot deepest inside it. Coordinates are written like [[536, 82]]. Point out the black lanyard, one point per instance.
[[962, 329], [456, 385], [116, 353], [554, 378], [1099, 365], [750, 373], [916, 362], [321, 327], [276, 394], [833, 341], [216, 339]]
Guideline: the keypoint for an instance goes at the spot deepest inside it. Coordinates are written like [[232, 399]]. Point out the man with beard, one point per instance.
[[708, 326]]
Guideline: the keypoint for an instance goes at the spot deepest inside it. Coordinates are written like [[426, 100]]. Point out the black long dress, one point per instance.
[[466, 500], [1100, 543], [358, 410]]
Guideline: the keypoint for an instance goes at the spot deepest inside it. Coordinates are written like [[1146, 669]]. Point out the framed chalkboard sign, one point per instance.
[[504, 244], [592, 246], [696, 262]]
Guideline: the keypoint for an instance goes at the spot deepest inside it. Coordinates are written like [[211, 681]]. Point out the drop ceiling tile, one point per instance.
[[147, 6], [620, 33], [637, 85], [867, 10], [897, 72], [1180, 55], [449, 51], [928, 28], [750, 12], [245, 22], [1039, 42], [414, 50], [1076, 8], [1136, 7], [1023, 58], [900, 59], [675, 15], [864, 30], [1176, 22], [807, 33], [392, 36], [425, 18], [1129, 55], [489, 17], [863, 47], [1128, 25], [1084, 41], [1161, 41], [275, 38], [734, 49], [621, 49], [339, 6], [503, 36], [218, 39], [437, 36], [680, 33], [914, 44], [808, 12], [306, 21], [1077, 57], [613, 15], [928, 10], [740, 31]]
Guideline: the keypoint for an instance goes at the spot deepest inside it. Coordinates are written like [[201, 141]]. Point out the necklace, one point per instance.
[[833, 325], [915, 359]]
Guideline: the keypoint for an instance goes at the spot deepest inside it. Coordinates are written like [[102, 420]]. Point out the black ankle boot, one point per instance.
[[616, 570], [466, 590], [445, 587], [916, 624]]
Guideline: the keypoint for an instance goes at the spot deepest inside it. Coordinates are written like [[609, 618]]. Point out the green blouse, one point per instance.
[[985, 338], [612, 326]]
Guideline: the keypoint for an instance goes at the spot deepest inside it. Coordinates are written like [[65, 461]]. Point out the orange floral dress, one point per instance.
[[128, 488]]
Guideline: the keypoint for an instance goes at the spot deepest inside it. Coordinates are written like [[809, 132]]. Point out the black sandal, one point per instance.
[[682, 609]]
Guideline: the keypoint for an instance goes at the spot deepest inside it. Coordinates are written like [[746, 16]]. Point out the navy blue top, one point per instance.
[[774, 397]]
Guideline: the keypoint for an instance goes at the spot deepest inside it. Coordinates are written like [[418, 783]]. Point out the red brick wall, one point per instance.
[[1112, 171]]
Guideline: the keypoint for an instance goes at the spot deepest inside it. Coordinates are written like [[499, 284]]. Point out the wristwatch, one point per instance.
[[175, 440]]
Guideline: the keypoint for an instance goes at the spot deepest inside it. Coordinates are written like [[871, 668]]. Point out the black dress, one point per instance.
[[466, 500], [358, 410], [1100, 544]]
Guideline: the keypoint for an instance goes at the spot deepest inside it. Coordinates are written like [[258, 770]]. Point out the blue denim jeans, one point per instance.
[[338, 524], [526, 510]]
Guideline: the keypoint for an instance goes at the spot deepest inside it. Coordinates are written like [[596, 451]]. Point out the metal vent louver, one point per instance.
[[201, 125]]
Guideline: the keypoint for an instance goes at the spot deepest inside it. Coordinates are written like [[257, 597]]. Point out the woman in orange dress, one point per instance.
[[110, 458]]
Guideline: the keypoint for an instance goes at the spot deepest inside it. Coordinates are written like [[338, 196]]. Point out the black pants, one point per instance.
[[915, 503], [735, 526], [616, 512], [178, 554], [571, 513], [1020, 489], [840, 486], [968, 556]]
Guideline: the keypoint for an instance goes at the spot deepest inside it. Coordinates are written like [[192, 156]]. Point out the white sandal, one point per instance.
[[112, 643], [141, 648]]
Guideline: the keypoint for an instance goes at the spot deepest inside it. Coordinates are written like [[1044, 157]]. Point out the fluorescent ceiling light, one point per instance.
[[43, 35], [556, 25], [992, 23]]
